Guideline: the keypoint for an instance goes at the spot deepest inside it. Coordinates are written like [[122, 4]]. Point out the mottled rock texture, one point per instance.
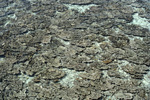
[[74, 49]]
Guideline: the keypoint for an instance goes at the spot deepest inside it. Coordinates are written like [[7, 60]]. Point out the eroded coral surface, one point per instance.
[[74, 50]]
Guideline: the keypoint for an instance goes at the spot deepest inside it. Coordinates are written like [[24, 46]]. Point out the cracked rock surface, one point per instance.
[[74, 49]]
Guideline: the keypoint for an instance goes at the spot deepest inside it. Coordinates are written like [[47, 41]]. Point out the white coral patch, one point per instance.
[[25, 78], [143, 22], [80, 8], [146, 80], [71, 75]]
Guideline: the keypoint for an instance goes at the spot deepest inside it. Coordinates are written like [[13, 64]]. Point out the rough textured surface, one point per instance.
[[74, 49]]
